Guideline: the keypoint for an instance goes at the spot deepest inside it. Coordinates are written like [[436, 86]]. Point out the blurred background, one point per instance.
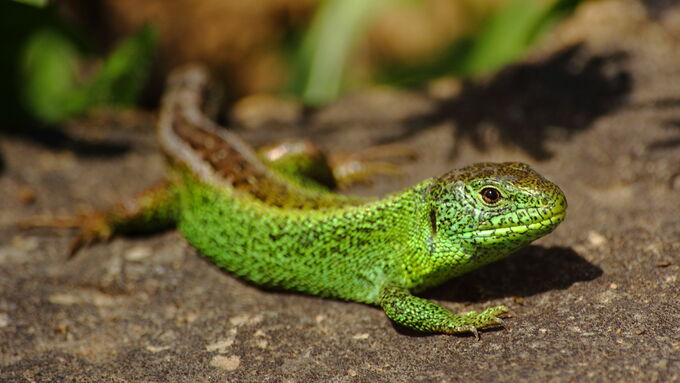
[[65, 59]]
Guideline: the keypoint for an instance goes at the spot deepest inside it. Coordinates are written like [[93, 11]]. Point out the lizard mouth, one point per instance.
[[540, 227]]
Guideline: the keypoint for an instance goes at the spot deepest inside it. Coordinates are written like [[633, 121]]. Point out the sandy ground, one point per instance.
[[596, 110]]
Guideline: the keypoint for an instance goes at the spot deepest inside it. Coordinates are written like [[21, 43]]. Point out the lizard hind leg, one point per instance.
[[362, 166], [152, 210], [422, 315], [301, 162], [306, 164]]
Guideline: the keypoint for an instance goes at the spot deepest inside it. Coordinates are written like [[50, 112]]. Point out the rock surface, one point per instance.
[[596, 110]]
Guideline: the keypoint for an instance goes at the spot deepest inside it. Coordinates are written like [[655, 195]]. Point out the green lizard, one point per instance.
[[269, 227]]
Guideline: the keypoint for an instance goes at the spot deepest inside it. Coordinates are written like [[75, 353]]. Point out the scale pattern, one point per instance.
[[263, 227]]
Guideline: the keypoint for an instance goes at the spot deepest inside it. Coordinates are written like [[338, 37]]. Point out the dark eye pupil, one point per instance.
[[491, 195]]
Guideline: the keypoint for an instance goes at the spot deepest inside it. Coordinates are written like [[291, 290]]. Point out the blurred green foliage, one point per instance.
[[48, 65], [54, 90], [508, 33], [502, 38], [326, 47], [35, 3], [17, 24], [51, 72]]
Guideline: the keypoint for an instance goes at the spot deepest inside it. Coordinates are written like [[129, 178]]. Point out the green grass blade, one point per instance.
[[326, 47], [503, 38]]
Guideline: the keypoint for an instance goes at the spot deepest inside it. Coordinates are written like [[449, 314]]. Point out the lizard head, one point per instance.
[[489, 210]]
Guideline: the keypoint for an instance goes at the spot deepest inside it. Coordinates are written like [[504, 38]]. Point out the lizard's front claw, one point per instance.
[[491, 317], [472, 321]]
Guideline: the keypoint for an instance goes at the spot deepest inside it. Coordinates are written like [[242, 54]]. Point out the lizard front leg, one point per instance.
[[422, 315]]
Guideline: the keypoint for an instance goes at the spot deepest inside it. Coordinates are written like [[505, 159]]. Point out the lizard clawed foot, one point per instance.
[[93, 227], [491, 317]]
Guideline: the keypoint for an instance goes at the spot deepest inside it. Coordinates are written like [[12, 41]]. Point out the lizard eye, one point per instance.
[[491, 195]]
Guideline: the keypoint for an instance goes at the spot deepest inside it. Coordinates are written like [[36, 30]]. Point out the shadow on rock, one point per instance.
[[55, 139], [668, 143], [657, 8], [524, 105], [531, 271]]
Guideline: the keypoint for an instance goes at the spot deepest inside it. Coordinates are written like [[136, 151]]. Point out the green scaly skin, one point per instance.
[[279, 233]]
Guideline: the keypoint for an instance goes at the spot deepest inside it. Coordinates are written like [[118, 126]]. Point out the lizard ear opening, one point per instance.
[[433, 221]]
